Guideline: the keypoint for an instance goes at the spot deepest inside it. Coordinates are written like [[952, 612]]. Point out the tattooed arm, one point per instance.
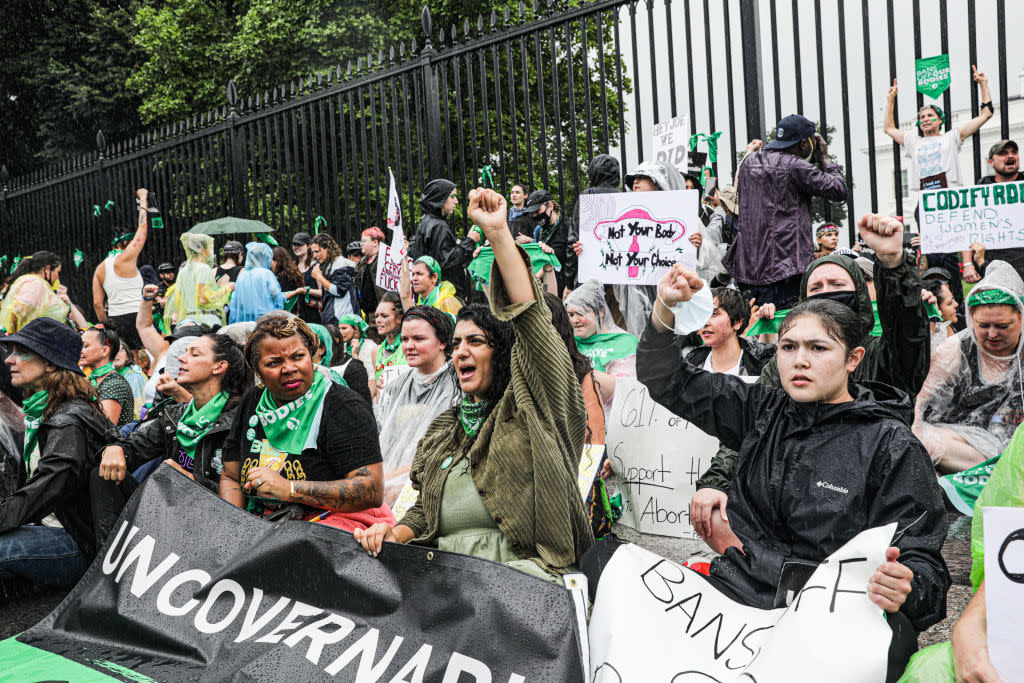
[[361, 489]]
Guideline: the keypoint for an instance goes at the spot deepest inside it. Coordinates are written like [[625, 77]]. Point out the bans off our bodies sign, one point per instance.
[[932, 75], [953, 218]]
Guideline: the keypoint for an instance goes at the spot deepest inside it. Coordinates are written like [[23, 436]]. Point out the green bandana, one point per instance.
[[354, 321], [480, 267], [431, 263], [429, 299], [195, 422], [607, 346], [33, 408], [991, 296], [963, 488], [391, 346], [99, 373], [472, 415], [772, 325], [287, 427], [396, 357]]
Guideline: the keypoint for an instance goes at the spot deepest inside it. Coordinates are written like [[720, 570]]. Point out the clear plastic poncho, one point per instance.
[[31, 297], [973, 399], [195, 294], [408, 404], [257, 290], [611, 349]]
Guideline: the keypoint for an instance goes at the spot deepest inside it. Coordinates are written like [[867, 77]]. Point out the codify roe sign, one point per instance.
[[954, 218], [188, 587]]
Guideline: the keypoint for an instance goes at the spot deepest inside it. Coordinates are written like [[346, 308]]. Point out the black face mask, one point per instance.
[[541, 220], [846, 297]]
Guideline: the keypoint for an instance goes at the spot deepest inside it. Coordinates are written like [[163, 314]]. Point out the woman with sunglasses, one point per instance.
[[100, 345]]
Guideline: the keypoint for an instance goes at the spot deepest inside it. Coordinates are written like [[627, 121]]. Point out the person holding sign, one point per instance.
[[427, 286], [1004, 159], [820, 460], [497, 475], [934, 155]]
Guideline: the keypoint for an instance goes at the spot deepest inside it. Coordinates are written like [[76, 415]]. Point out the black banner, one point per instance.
[[188, 587]]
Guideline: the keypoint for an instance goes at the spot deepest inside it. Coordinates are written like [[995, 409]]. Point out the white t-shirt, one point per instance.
[[735, 371], [932, 155]]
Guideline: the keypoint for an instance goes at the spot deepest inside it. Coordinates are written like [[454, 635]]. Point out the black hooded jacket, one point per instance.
[[70, 443], [605, 178], [434, 237], [899, 358], [810, 476]]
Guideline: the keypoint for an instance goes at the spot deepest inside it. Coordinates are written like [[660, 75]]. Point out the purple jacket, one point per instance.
[[775, 239]]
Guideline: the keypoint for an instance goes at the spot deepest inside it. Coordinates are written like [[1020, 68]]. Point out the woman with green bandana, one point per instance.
[[353, 331], [351, 375], [99, 346], [973, 398], [301, 444], [427, 287], [497, 473], [389, 327], [64, 429]]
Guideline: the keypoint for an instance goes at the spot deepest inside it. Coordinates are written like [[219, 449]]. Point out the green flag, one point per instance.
[[932, 75], [78, 257]]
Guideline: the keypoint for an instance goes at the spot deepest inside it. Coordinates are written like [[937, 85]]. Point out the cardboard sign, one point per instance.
[[634, 237], [954, 218], [670, 142], [932, 75], [1004, 589], [654, 620], [657, 458], [389, 257]]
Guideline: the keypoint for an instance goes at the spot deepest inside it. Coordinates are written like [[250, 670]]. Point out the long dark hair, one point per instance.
[[581, 364], [287, 272], [327, 243], [35, 263], [238, 378], [66, 385], [108, 337], [501, 337]]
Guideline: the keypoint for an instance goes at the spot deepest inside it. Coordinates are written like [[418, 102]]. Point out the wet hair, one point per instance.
[[521, 186], [237, 379], [327, 243], [279, 326], [35, 264], [108, 337], [66, 385], [396, 301], [935, 287], [287, 271], [841, 323], [500, 337], [581, 364], [732, 302], [440, 321]]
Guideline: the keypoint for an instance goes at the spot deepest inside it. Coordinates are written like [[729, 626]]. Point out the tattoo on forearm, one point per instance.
[[344, 495]]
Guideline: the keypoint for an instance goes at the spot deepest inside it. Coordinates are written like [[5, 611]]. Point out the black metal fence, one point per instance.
[[534, 93]]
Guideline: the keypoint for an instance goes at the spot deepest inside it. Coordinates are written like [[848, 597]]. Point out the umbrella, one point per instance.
[[230, 225]]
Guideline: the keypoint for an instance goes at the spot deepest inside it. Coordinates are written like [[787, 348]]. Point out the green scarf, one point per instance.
[[99, 373], [33, 408], [397, 356], [195, 422], [287, 427], [607, 346], [772, 325], [472, 415], [429, 299], [963, 488]]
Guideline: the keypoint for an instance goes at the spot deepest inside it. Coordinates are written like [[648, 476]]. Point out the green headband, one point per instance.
[[431, 263], [127, 237], [987, 297], [354, 321]]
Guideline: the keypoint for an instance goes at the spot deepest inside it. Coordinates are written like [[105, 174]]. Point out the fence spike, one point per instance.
[[320, 79], [522, 10], [465, 27], [292, 90], [426, 22], [391, 55], [480, 23], [359, 65], [414, 48], [536, 8], [455, 34], [380, 58], [248, 102], [507, 14], [348, 73], [494, 21], [440, 37]]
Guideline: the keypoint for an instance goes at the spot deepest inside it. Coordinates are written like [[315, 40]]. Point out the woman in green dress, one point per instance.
[[496, 474]]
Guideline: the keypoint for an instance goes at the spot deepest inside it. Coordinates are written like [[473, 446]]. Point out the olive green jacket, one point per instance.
[[525, 458]]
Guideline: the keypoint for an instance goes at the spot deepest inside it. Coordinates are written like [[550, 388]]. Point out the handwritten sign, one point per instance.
[[681, 629], [634, 237], [670, 142], [954, 218], [389, 257], [1004, 588], [657, 458]]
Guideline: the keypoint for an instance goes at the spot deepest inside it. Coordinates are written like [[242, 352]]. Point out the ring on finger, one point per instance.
[[259, 483]]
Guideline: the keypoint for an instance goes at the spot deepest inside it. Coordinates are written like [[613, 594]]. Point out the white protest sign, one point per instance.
[[657, 458], [389, 257], [670, 142], [952, 219], [658, 622], [634, 237], [1004, 589]]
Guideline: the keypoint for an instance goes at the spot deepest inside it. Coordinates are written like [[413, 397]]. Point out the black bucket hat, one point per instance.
[[54, 342]]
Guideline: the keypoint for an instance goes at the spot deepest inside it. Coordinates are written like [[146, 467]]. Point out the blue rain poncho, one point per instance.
[[257, 290]]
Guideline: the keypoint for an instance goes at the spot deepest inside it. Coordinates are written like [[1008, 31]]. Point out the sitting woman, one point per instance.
[[788, 439], [64, 429], [410, 402], [301, 441], [497, 474], [353, 341], [427, 287], [389, 327], [99, 346], [971, 402], [724, 349], [124, 363], [327, 359], [257, 290], [611, 350]]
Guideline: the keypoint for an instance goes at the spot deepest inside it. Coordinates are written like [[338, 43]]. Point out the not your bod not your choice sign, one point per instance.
[[952, 219]]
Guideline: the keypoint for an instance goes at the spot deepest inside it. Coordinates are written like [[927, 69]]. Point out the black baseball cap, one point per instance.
[[54, 342], [166, 268], [537, 199], [937, 273], [233, 247], [791, 130], [302, 239]]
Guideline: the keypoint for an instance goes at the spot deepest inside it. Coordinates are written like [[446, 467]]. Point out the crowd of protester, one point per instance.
[[292, 385]]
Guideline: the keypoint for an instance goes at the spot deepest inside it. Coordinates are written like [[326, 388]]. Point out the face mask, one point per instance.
[[694, 314], [542, 220], [847, 298]]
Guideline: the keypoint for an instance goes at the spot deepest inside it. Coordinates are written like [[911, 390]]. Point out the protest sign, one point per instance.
[[952, 219], [932, 75], [669, 143], [634, 237], [657, 458], [389, 257], [221, 595], [1004, 588], [681, 629]]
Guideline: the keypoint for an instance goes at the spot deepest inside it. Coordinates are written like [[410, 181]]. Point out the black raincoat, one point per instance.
[[899, 358], [605, 178], [810, 476], [434, 237], [70, 443]]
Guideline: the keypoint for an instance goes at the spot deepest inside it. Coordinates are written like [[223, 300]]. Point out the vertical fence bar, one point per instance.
[[916, 4], [775, 59], [1004, 109], [585, 54], [753, 72], [574, 159], [671, 59], [869, 107], [797, 69], [527, 123], [847, 143], [730, 99], [654, 58], [897, 175], [947, 100], [972, 53], [636, 87], [513, 119], [711, 75], [599, 23], [822, 120], [689, 61], [557, 114], [541, 111]]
